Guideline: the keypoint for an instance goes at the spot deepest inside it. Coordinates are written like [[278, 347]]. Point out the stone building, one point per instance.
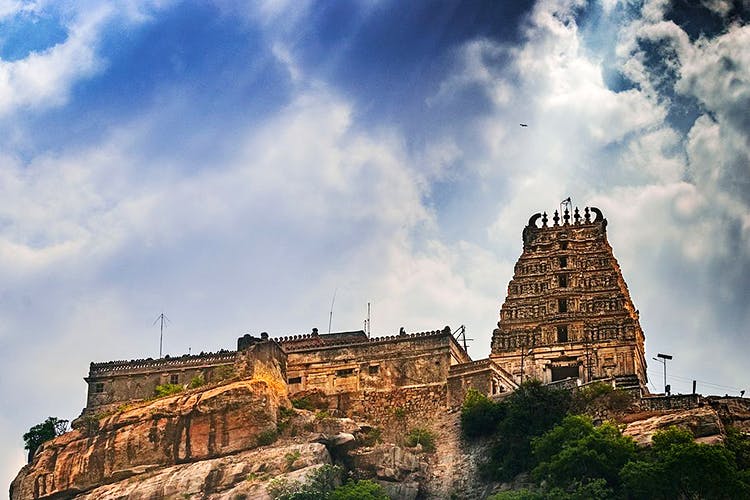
[[371, 377], [567, 316], [357, 375], [568, 313]]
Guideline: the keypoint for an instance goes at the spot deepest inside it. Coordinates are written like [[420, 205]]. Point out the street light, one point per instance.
[[663, 360]]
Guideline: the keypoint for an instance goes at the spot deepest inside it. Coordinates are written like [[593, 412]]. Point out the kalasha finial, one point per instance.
[[556, 218], [544, 219], [587, 215], [566, 216], [576, 216]]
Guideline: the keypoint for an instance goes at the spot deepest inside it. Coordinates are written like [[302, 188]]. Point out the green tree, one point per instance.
[[678, 467], [530, 411], [480, 415], [576, 453], [40, 433]]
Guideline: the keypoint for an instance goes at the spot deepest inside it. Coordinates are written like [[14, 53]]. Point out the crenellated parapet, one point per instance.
[[110, 368], [314, 340]]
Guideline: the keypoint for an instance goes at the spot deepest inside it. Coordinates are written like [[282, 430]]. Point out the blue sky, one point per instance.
[[234, 165]]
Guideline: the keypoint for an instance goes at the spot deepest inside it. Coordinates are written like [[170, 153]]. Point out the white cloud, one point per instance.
[[45, 78]]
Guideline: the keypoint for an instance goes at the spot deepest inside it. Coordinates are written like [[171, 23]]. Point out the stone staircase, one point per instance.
[[627, 382]]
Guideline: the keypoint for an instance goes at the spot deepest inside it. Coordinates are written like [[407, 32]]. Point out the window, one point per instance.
[[563, 261], [345, 373], [99, 388], [374, 369], [562, 333], [562, 305], [563, 245], [295, 380], [562, 280], [174, 379]]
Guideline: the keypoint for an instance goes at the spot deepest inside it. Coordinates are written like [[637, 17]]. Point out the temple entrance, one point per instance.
[[563, 372]]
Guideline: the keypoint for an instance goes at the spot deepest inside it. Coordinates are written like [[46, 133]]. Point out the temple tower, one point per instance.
[[568, 313]]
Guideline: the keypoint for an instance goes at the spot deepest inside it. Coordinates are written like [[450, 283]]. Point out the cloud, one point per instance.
[[44, 79]]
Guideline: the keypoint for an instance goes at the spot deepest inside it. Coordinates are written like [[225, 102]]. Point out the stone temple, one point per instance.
[[568, 313], [567, 318]]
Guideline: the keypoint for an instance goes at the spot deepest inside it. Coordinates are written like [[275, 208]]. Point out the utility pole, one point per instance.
[[162, 320]]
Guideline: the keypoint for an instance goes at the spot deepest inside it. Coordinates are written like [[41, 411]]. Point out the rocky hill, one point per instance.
[[232, 440]]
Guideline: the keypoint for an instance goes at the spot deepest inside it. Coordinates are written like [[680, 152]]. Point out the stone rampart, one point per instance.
[[676, 402], [111, 368]]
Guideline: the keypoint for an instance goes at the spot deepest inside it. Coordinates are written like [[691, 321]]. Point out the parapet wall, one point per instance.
[[113, 368]]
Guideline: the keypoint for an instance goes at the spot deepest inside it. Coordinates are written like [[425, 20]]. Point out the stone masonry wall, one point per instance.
[[402, 409]]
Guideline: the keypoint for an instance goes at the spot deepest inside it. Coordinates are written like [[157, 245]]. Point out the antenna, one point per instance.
[[161, 319], [368, 320], [460, 335], [330, 315]]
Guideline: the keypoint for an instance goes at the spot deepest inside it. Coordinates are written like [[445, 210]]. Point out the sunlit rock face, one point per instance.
[[195, 426]]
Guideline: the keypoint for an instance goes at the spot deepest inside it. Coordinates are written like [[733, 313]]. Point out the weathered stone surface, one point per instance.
[[703, 422], [171, 430], [390, 462], [246, 473]]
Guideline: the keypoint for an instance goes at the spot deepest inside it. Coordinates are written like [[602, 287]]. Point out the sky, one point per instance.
[[237, 165]]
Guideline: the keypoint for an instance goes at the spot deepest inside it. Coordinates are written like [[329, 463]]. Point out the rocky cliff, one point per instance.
[[227, 442], [134, 441], [231, 441]]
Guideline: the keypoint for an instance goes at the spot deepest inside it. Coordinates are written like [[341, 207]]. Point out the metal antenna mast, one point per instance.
[[460, 335], [368, 320], [330, 315], [161, 319]]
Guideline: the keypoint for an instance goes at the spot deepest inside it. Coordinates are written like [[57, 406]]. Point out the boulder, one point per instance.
[[703, 422]]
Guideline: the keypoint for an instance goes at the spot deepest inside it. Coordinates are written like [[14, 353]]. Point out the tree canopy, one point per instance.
[[40, 433]]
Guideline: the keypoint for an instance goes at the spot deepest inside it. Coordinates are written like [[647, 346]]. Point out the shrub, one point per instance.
[[372, 436], [359, 490], [310, 400], [421, 436], [303, 403], [290, 458], [167, 390], [480, 415], [284, 418], [318, 485], [197, 381], [267, 437], [399, 413], [322, 415]]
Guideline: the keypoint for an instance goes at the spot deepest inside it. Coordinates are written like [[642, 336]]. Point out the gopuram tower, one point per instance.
[[568, 313]]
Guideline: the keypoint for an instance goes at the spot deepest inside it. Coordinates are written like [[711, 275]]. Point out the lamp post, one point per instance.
[[663, 360]]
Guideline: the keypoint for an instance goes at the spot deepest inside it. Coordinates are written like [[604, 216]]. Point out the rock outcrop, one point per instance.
[[703, 422], [185, 428], [234, 440]]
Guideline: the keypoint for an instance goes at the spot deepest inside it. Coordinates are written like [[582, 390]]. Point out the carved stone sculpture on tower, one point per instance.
[[568, 312]]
